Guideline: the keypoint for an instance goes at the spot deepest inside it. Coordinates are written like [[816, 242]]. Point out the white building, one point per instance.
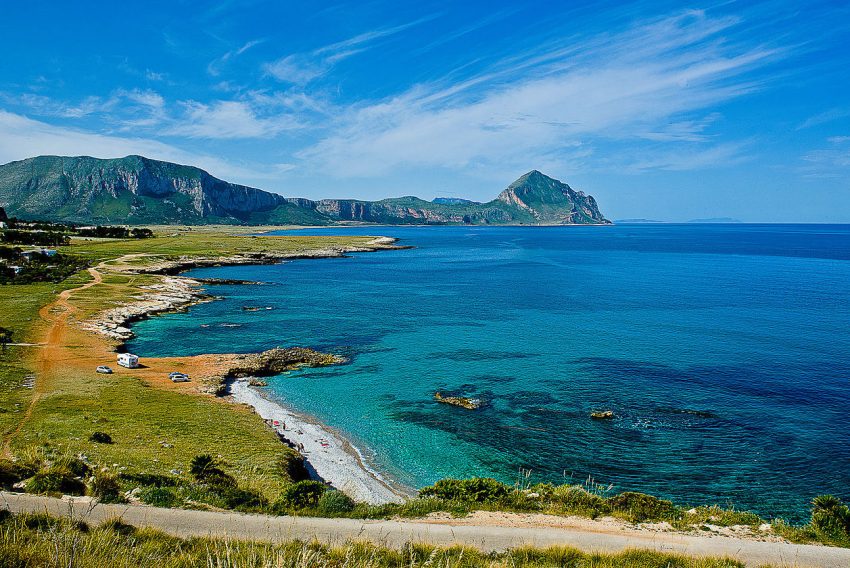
[[128, 360]]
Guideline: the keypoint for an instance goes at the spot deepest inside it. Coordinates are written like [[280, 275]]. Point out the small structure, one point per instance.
[[48, 252], [128, 360]]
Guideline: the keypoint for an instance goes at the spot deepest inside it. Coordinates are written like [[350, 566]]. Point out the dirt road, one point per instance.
[[56, 314], [186, 523]]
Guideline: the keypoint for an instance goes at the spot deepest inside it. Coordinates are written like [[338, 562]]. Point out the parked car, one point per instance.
[[179, 377], [104, 369]]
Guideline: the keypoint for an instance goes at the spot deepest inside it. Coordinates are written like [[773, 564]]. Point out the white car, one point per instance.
[[179, 377], [104, 369]]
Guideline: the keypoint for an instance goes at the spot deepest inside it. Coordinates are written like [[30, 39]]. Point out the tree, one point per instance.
[[5, 337]]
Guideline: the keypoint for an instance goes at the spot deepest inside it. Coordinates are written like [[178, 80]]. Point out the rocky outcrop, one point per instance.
[[138, 190], [169, 295], [3, 216], [278, 360], [461, 401]]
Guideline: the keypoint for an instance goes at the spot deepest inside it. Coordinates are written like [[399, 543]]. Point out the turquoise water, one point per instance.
[[723, 349]]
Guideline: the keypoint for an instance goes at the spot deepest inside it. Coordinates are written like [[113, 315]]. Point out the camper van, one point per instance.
[[128, 360]]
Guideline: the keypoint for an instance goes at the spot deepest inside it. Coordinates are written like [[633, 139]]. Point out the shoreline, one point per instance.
[[327, 453]]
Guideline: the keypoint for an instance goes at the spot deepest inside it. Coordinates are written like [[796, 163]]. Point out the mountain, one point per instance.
[[138, 190]]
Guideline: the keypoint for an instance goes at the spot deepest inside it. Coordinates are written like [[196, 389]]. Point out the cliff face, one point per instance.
[[125, 190], [139, 190]]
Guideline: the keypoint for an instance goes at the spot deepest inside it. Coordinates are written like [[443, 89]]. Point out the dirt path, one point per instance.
[[56, 314], [186, 523]]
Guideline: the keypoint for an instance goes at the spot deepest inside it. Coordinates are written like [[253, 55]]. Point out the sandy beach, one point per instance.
[[332, 457]]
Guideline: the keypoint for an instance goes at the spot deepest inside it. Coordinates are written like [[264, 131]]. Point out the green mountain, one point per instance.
[[137, 190]]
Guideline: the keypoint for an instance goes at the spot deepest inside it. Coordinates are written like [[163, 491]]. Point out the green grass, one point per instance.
[[36, 540]]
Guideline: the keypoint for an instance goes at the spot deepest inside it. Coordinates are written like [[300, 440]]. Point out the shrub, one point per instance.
[[335, 502], [292, 468], [300, 495], [242, 499], [476, 489], [55, 481], [105, 487], [100, 438], [76, 466], [577, 499], [204, 466], [831, 517], [641, 507], [159, 496]]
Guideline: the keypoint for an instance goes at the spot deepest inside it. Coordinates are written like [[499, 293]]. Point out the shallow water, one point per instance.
[[724, 350]]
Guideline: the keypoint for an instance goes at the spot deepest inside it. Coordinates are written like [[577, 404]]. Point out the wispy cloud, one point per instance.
[[656, 80], [228, 119], [831, 161], [216, 66], [22, 137], [302, 68], [825, 117]]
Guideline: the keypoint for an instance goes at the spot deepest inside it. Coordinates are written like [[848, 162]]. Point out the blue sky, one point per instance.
[[659, 109]]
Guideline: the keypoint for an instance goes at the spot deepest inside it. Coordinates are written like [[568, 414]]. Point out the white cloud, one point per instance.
[[22, 137], [653, 81], [228, 119], [302, 68]]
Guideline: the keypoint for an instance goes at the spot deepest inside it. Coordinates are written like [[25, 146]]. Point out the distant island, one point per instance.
[[137, 190], [715, 220]]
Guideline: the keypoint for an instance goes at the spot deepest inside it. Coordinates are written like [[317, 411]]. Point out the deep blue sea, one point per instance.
[[724, 351]]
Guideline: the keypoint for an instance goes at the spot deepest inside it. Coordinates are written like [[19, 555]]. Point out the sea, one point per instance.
[[723, 351]]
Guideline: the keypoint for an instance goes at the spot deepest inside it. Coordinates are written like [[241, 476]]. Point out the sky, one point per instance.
[[661, 110]]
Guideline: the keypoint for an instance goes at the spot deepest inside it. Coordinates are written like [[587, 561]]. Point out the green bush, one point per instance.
[[641, 507], [159, 496], [242, 499], [204, 467], [106, 488], [831, 517], [300, 495], [55, 481], [335, 502], [76, 466], [476, 489], [574, 498], [100, 438]]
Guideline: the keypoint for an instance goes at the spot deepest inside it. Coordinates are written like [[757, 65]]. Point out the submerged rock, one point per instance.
[[461, 401], [602, 415]]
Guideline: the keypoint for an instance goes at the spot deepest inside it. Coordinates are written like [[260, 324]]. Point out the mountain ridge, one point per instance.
[[140, 190]]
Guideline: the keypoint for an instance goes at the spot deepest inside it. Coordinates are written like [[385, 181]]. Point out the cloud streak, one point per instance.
[[653, 81]]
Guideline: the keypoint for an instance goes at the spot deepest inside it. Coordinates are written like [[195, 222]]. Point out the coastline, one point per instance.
[[328, 454]]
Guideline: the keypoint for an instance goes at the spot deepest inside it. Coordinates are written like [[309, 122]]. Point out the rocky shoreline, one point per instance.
[[177, 293], [330, 455]]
